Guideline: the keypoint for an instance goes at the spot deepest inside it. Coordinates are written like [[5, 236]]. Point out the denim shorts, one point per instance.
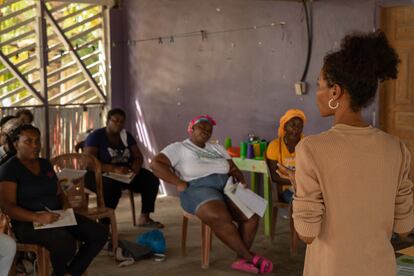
[[203, 190]]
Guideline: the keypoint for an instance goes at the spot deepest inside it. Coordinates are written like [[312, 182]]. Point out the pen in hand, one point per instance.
[[50, 210], [47, 217]]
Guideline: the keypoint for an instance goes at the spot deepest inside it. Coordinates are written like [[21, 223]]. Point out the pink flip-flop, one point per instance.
[[244, 265], [262, 264]]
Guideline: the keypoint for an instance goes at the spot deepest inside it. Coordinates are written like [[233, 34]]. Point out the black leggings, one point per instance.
[[145, 182], [61, 243]]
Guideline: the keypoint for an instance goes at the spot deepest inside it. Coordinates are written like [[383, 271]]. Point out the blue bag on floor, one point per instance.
[[153, 239]]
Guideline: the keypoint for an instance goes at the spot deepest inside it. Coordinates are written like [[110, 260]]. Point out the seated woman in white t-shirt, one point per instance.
[[201, 172]]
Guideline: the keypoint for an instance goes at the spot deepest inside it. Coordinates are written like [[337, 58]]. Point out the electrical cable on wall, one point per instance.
[[308, 14], [300, 86]]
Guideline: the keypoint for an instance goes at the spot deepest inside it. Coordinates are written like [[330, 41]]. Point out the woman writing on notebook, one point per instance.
[[119, 153], [201, 172], [28, 187]]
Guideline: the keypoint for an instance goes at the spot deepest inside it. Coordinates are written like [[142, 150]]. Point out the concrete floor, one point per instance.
[[168, 211]]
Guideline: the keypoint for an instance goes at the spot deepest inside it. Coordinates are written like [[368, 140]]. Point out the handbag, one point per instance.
[[134, 250]]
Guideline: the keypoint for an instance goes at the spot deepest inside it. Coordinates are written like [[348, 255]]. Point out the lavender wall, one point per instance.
[[117, 97], [243, 79]]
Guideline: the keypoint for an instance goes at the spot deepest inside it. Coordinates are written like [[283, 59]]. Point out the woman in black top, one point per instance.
[[28, 185], [119, 153]]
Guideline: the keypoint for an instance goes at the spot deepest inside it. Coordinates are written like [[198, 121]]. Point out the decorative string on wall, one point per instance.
[[204, 34]]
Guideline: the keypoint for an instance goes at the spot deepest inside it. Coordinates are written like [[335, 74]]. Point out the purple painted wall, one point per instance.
[[117, 22], [243, 79]]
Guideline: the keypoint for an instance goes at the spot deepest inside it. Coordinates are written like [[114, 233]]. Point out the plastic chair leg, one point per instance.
[[131, 199], [184, 236], [206, 236]]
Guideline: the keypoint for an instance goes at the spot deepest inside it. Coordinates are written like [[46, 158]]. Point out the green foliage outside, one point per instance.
[[7, 32]]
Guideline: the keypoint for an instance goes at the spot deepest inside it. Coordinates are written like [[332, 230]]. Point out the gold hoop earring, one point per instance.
[[331, 106]]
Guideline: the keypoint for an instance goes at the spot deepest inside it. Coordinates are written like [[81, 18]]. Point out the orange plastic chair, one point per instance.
[[42, 254], [277, 204], [79, 201], [206, 239], [79, 149]]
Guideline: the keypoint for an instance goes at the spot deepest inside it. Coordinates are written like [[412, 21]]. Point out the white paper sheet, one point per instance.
[[70, 174], [125, 178], [252, 200], [229, 190], [245, 199], [67, 218]]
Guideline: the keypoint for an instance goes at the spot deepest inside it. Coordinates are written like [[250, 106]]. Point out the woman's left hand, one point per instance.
[[287, 173]]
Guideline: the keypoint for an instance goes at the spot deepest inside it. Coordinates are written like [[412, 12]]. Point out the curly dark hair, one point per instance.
[[26, 112], [15, 133], [115, 111], [362, 61], [5, 119]]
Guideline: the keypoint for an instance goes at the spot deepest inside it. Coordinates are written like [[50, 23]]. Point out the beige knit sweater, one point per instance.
[[352, 192]]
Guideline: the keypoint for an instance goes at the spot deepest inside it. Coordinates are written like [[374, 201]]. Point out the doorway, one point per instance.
[[397, 96]]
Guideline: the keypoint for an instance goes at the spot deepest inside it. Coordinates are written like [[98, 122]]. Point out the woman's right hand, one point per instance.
[[46, 217], [287, 173], [182, 186]]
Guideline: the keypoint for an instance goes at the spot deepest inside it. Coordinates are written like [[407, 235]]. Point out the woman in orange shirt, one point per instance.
[[282, 149]]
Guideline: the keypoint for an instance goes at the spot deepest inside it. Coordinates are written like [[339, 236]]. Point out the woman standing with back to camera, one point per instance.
[[352, 181]]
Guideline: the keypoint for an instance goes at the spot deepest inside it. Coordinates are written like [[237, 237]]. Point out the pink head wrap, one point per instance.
[[196, 120]]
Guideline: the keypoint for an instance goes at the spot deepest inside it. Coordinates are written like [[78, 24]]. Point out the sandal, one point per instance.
[[244, 265], [262, 264], [152, 224]]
